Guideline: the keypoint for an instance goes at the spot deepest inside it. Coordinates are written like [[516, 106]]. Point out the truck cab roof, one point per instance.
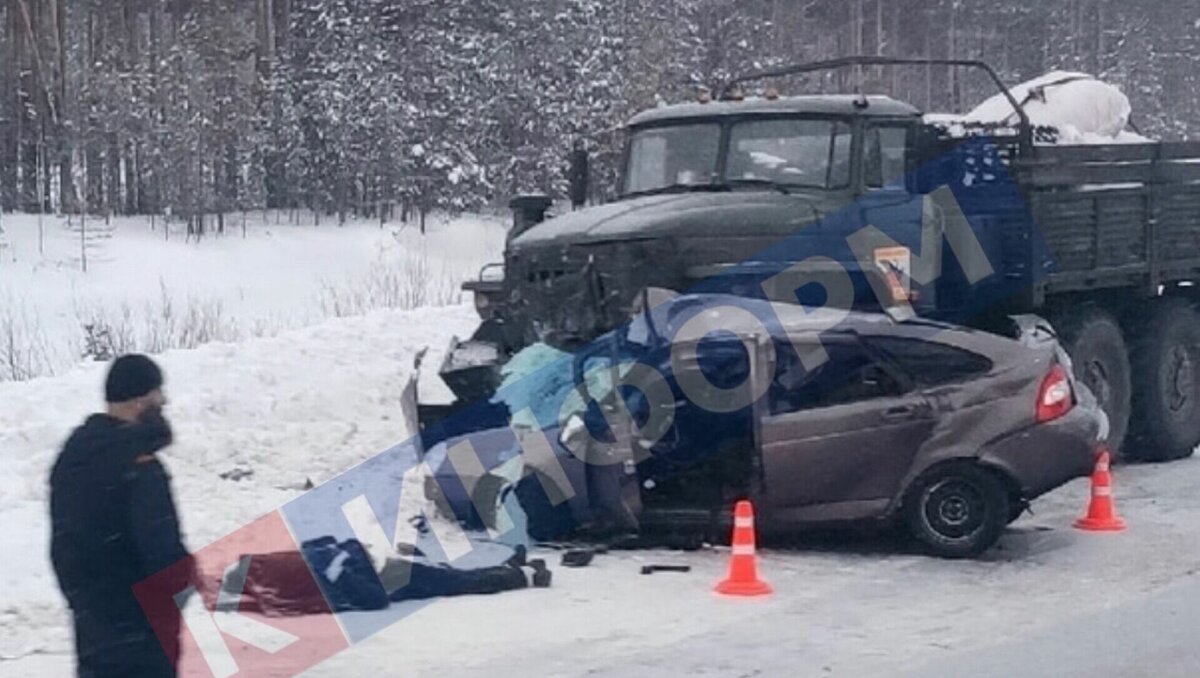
[[816, 104]]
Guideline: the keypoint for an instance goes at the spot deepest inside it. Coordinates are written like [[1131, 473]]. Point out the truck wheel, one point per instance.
[[1101, 361], [957, 511], [1166, 379]]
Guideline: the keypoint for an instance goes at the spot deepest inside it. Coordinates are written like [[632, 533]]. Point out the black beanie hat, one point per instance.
[[131, 377]]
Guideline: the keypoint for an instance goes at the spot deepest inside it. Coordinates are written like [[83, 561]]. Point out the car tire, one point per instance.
[[1166, 382], [1100, 359], [957, 510]]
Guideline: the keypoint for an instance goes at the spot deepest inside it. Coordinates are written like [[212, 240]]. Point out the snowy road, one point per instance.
[[1048, 601]]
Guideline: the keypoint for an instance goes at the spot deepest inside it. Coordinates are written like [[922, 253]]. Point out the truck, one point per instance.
[[729, 193]]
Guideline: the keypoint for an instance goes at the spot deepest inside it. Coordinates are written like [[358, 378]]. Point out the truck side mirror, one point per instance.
[[580, 175]]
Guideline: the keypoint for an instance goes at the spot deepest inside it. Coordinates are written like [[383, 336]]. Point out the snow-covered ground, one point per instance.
[[311, 402], [153, 291], [288, 405], [304, 405]]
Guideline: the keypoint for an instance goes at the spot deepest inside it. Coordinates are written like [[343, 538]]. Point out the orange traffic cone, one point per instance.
[[1102, 509], [743, 565]]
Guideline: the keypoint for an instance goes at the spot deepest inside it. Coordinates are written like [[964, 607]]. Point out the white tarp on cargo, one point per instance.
[[1084, 109]]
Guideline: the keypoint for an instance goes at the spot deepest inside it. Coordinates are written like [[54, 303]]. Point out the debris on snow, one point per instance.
[[651, 569], [578, 557], [236, 474]]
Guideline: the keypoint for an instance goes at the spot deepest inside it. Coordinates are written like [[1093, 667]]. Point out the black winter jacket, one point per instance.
[[114, 524]]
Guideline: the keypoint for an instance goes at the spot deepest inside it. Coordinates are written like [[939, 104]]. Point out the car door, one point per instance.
[[837, 439]]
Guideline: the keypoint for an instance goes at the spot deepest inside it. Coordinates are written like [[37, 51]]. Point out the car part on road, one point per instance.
[[1101, 361], [578, 558], [1166, 383], [957, 510], [651, 569]]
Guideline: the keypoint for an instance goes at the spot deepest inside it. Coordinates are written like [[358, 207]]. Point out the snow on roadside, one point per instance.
[[304, 405], [279, 276]]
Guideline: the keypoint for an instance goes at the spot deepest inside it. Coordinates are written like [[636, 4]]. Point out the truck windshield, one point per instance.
[[679, 155], [811, 153], [805, 152]]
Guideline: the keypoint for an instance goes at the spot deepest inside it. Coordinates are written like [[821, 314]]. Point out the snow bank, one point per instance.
[[1084, 109], [280, 276], [272, 413]]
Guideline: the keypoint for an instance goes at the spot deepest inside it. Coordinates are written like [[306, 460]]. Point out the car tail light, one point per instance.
[[1055, 397]]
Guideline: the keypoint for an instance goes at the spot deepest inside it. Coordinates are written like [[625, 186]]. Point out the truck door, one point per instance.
[[886, 202], [837, 440]]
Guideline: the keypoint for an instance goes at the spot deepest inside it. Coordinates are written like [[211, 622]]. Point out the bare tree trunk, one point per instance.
[[113, 197], [928, 74], [62, 143], [153, 193], [232, 187], [9, 110], [951, 53], [857, 28], [94, 178], [44, 175]]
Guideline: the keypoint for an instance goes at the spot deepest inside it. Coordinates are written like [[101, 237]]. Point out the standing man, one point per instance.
[[114, 524], [579, 175]]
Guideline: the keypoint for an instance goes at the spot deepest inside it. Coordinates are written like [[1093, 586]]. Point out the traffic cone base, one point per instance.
[[1106, 525], [752, 588], [743, 563]]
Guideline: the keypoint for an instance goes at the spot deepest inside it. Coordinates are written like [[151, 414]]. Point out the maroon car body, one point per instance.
[[950, 430]]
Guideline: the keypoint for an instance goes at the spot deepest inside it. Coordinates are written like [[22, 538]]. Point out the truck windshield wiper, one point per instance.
[[766, 183]]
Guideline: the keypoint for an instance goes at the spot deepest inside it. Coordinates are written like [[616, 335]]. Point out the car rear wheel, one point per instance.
[[958, 510], [1166, 379], [1101, 361]]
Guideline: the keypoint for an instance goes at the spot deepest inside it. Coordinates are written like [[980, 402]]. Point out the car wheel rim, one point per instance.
[[954, 509]]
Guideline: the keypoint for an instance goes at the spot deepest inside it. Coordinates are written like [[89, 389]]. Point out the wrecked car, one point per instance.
[[946, 431]]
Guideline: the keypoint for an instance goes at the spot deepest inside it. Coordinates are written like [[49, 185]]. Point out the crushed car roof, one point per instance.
[[823, 104], [670, 312], [791, 318]]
